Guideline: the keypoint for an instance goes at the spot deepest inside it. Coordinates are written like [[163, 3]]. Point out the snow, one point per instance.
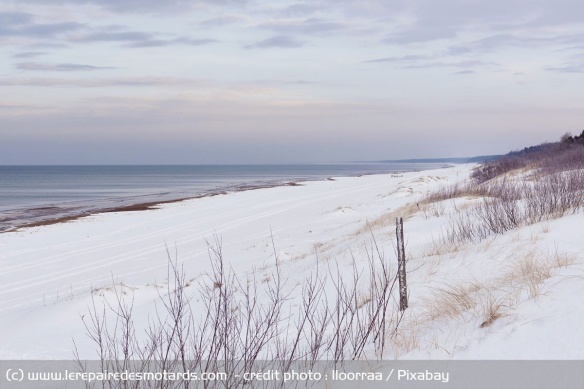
[[48, 274]]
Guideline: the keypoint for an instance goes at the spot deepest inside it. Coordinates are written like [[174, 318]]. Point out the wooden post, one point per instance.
[[401, 263]]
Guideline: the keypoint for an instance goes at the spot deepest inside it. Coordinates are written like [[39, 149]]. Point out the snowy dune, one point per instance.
[[467, 301]]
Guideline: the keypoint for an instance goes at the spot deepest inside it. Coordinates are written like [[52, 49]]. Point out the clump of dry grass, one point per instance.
[[489, 302], [532, 272], [473, 298], [466, 300], [530, 269], [405, 211], [114, 288], [451, 300], [562, 258], [407, 339], [433, 209], [491, 309], [437, 248]]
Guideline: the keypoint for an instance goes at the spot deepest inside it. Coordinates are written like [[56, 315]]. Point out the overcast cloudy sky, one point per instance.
[[257, 81]]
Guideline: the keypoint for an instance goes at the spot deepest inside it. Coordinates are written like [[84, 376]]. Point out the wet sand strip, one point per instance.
[[142, 206]]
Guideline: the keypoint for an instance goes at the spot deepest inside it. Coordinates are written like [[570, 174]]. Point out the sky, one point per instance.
[[255, 81]]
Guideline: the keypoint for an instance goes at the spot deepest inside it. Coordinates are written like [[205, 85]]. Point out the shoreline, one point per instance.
[[70, 214], [143, 206]]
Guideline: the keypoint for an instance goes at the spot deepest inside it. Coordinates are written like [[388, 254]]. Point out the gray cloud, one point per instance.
[[555, 13], [12, 107], [148, 43], [300, 82], [58, 67], [14, 18], [47, 45], [21, 24], [406, 58], [169, 42], [18, 24], [137, 39], [221, 21], [462, 72], [458, 64], [29, 54], [432, 20], [192, 42], [421, 33], [281, 41], [427, 61], [311, 26], [300, 10], [127, 36], [140, 6], [578, 68], [104, 82], [495, 42], [50, 29]]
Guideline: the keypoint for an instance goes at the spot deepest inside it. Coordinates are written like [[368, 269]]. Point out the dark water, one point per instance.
[[31, 194]]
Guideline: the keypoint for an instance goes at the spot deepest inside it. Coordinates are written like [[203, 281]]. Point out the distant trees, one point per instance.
[[563, 155], [567, 138]]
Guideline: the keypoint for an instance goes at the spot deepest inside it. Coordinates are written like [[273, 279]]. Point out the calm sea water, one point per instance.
[[37, 193]]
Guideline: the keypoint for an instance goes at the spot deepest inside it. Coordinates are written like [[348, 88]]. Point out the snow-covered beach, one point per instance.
[[467, 301]]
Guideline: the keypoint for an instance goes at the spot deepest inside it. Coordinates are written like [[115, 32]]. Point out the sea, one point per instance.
[[36, 194]]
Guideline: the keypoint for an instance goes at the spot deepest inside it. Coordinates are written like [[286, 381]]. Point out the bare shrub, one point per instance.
[[554, 195], [454, 191], [247, 324], [463, 227], [559, 181], [508, 204], [490, 170], [570, 158]]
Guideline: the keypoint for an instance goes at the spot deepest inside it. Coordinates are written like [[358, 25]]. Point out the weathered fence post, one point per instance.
[[401, 264]]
